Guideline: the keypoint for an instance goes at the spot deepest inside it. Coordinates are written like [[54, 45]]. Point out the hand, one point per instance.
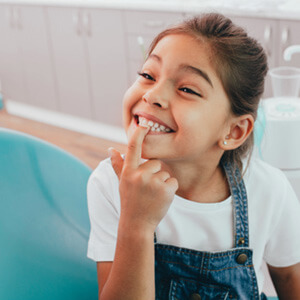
[[146, 191]]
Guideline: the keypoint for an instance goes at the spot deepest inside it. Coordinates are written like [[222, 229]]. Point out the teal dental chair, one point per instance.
[[44, 224]]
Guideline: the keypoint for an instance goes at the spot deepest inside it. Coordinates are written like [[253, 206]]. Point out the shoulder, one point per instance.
[[270, 194], [262, 175], [103, 172], [103, 180], [268, 187]]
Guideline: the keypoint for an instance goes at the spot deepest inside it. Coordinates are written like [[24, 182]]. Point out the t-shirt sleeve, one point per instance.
[[104, 207], [283, 247]]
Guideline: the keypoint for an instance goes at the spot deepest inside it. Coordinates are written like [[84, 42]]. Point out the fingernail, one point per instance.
[[144, 125], [110, 151]]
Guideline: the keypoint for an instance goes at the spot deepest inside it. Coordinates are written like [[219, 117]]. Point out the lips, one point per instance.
[[155, 124]]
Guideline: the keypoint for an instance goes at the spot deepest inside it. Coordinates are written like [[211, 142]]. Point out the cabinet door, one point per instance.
[[11, 64], [70, 61], [265, 31], [37, 62], [141, 27], [289, 35], [107, 60]]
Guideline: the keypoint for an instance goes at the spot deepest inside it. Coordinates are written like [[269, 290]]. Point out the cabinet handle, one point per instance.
[[267, 40], [76, 21], [87, 24], [153, 23], [18, 18], [141, 44], [284, 36], [284, 39]]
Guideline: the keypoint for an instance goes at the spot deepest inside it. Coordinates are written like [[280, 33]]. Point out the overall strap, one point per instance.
[[240, 205]]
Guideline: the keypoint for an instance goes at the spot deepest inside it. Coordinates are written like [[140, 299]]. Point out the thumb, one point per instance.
[[116, 161]]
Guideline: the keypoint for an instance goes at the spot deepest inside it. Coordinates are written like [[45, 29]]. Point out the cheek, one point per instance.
[[197, 126], [190, 130], [128, 103], [190, 121]]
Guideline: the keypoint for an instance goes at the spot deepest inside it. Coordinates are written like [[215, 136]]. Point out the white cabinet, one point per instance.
[[67, 37], [11, 68], [37, 60], [107, 63], [288, 35], [25, 59], [141, 27], [90, 62]]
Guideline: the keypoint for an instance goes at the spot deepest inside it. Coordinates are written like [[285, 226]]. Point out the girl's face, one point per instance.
[[179, 92]]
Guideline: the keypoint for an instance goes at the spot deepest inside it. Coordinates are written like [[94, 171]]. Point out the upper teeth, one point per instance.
[[154, 126]]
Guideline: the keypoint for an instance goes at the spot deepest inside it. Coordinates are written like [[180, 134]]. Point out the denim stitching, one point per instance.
[[235, 251]]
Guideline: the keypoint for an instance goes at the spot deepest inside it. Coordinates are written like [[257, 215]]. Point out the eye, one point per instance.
[[146, 76], [190, 91]]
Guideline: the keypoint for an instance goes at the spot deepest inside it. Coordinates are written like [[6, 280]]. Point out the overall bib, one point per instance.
[[186, 274]]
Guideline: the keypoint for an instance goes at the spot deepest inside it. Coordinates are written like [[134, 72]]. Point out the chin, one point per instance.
[[149, 154], [152, 154]]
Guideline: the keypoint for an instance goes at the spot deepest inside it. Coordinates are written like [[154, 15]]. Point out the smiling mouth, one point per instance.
[[154, 126]]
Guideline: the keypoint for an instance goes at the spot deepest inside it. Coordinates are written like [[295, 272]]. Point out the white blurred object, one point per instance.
[[285, 81], [281, 142], [289, 51]]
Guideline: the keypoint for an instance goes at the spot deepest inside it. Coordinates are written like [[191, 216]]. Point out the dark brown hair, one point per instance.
[[239, 61]]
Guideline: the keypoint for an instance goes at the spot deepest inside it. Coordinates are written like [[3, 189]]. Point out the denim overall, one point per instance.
[[185, 274]]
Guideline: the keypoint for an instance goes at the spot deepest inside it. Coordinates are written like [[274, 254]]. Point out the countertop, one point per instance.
[[276, 9]]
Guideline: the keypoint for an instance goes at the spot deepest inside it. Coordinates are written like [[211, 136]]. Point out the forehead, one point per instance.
[[185, 48]]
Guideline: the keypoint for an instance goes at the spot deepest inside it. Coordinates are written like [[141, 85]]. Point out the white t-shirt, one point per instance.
[[274, 218]]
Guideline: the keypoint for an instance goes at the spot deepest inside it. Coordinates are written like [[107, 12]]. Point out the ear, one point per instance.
[[241, 128]]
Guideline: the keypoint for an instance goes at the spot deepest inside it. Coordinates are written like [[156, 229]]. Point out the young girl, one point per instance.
[[183, 215]]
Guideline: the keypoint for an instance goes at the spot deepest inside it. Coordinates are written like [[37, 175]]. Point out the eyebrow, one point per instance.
[[197, 72], [156, 57], [188, 68]]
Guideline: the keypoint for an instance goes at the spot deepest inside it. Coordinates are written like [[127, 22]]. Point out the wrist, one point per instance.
[[135, 229]]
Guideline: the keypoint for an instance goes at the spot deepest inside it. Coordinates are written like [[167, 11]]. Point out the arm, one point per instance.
[[131, 275], [103, 270], [286, 281], [146, 193]]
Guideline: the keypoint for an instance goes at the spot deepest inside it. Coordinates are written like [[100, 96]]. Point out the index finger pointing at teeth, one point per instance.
[[134, 149]]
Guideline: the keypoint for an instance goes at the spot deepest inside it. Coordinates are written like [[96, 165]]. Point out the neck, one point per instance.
[[200, 182]]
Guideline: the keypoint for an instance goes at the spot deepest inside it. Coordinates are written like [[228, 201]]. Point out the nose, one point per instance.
[[158, 96]]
